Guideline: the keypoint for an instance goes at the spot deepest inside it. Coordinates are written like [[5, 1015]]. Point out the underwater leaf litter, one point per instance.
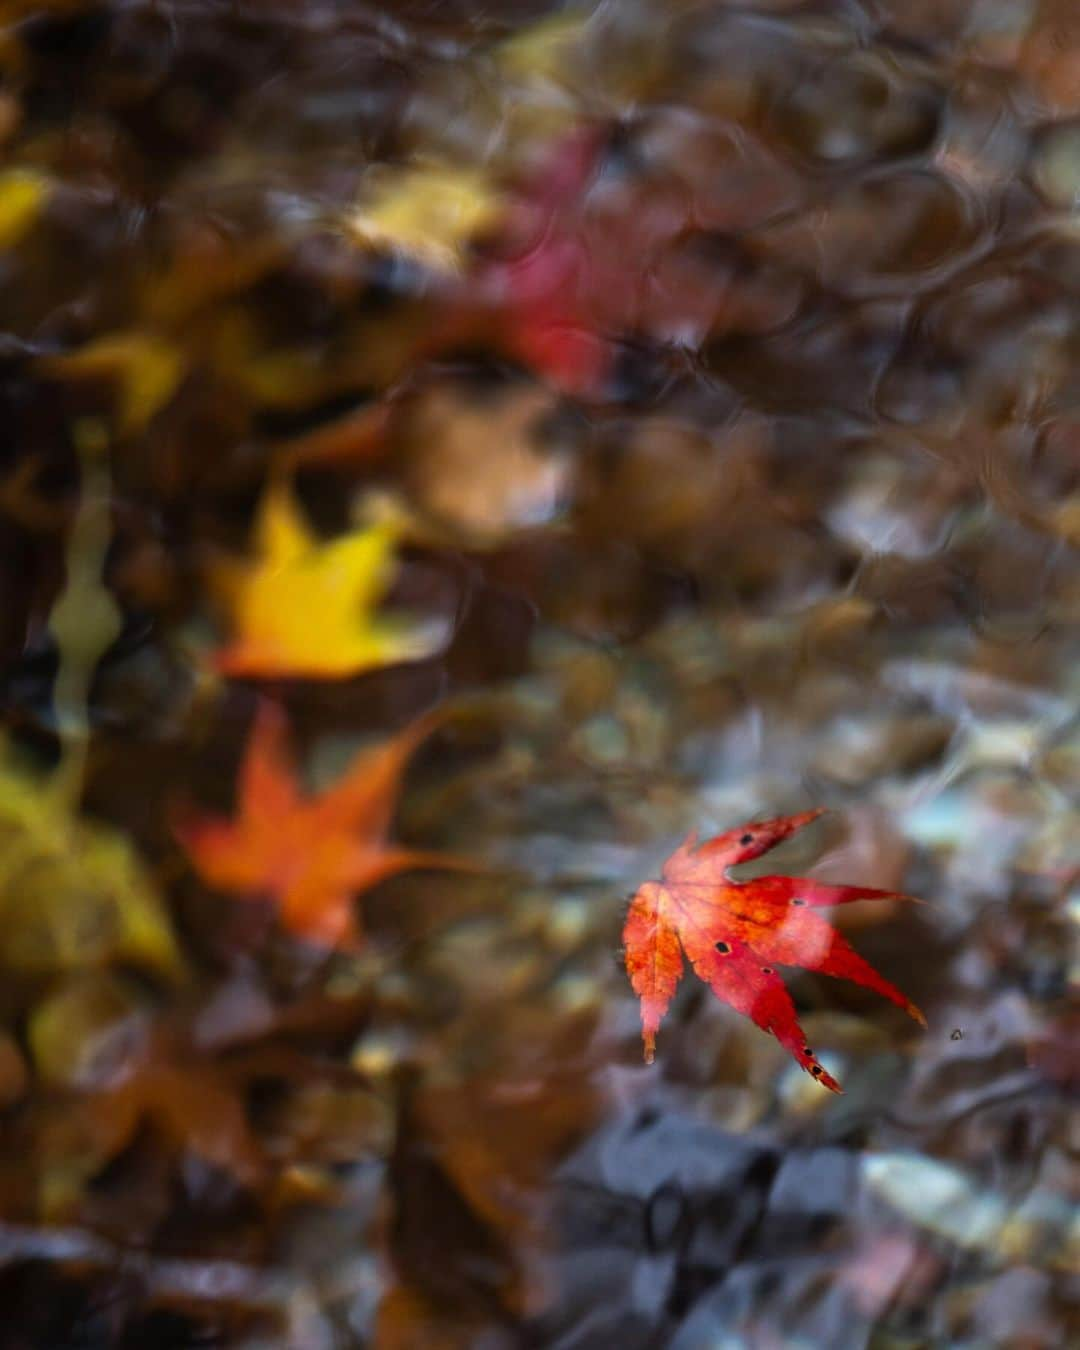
[[74, 893], [450, 455]]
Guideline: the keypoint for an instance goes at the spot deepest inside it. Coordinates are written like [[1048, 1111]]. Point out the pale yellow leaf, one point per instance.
[[429, 212]]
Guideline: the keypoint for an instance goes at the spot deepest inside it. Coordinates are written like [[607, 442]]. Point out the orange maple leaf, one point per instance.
[[310, 855], [735, 932]]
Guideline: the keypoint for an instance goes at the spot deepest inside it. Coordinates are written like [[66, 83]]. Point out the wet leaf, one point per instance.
[[540, 51], [735, 933], [309, 854], [302, 607], [83, 1033], [484, 468], [542, 287], [146, 369], [191, 1107], [73, 893], [542, 67], [429, 212], [22, 195]]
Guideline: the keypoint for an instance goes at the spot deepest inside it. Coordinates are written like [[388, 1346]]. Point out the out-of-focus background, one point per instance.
[[682, 398]]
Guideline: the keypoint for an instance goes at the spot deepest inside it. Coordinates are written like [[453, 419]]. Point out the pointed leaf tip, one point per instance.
[[912, 1010]]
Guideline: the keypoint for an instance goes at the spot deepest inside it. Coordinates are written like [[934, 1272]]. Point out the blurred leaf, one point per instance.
[[310, 855], [540, 64], [81, 1034], [473, 1155], [271, 376], [546, 288], [305, 608], [22, 195], [72, 893], [428, 212], [147, 370], [541, 50], [484, 468], [192, 1108]]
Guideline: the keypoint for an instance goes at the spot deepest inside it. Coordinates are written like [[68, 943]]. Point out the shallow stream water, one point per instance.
[[714, 368]]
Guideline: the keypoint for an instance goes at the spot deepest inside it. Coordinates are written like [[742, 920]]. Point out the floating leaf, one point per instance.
[[735, 932]]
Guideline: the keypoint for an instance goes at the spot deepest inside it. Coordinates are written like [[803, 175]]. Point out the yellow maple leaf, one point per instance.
[[147, 370], [73, 893], [427, 211], [542, 51], [303, 607]]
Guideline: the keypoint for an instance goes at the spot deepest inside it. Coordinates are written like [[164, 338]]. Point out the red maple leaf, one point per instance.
[[736, 932], [529, 292], [310, 854]]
